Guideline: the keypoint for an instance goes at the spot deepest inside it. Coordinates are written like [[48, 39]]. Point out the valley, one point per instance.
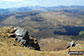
[[63, 23]]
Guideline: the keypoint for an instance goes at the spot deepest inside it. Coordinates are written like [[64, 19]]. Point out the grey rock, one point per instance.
[[22, 36]]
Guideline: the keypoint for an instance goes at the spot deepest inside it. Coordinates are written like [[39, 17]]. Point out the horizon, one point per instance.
[[47, 3], [40, 6]]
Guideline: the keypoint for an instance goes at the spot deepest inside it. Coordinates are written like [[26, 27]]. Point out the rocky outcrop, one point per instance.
[[21, 36], [72, 44]]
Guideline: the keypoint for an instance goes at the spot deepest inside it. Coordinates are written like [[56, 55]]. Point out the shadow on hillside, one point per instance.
[[69, 30]]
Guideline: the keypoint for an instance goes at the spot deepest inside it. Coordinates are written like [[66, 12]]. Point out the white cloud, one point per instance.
[[15, 0]]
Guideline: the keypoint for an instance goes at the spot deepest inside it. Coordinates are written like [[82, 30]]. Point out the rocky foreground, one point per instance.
[[9, 47]]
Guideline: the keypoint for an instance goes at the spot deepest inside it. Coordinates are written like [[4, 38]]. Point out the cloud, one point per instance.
[[15, 0], [22, 3]]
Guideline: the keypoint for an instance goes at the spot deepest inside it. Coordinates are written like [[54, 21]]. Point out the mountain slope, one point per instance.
[[8, 48], [10, 20]]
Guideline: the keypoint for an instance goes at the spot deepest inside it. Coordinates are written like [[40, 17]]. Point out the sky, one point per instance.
[[46, 3]]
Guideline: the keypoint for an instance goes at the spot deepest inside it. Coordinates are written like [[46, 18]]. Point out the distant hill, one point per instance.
[[39, 8], [43, 20]]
